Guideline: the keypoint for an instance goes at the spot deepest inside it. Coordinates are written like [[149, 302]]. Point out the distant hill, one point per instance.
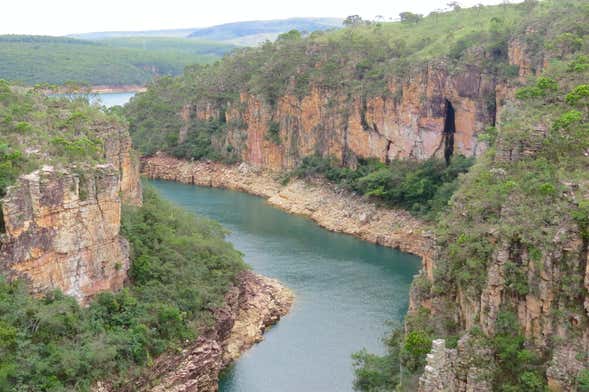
[[40, 59], [247, 33], [178, 45], [253, 32], [134, 57], [173, 33]]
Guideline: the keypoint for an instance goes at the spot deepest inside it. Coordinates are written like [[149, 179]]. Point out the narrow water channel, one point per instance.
[[346, 292]]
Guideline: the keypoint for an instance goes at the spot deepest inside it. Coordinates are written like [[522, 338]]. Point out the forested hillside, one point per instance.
[[170, 44], [56, 60], [506, 286]]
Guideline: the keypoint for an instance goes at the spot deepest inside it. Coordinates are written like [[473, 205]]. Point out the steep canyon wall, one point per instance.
[[408, 122], [62, 226]]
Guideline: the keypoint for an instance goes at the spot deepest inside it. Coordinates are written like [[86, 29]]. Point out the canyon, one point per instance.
[[437, 110], [62, 231], [334, 209]]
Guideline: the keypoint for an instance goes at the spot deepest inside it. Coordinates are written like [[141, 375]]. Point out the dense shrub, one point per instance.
[[181, 268], [378, 373], [424, 188]]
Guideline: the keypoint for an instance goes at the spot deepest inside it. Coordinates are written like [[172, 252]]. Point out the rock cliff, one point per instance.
[[62, 225], [433, 112]]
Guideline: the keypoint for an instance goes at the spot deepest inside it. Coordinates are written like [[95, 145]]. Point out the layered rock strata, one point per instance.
[[62, 231], [62, 226]]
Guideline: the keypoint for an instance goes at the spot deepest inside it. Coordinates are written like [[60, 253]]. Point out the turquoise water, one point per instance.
[[106, 99], [113, 99], [346, 291]]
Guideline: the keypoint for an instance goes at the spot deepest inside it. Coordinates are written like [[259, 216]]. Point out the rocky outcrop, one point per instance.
[[118, 151], [62, 231], [334, 209], [62, 226], [468, 367], [252, 305]]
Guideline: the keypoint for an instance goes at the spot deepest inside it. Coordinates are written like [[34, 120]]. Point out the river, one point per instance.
[[346, 292]]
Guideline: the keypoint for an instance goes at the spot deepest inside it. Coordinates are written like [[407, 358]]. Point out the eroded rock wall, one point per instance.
[[62, 231], [62, 225], [406, 122]]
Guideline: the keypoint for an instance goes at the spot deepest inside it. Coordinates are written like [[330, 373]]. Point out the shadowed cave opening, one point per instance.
[[449, 130]]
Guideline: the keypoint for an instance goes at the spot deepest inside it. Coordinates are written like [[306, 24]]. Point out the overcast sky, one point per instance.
[[60, 17]]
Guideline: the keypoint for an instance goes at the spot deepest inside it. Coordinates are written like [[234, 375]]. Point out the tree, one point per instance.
[[530, 4], [454, 5], [292, 35], [353, 20], [410, 17], [436, 14]]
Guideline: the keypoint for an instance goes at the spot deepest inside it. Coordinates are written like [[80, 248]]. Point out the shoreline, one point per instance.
[[330, 207], [253, 304], [104, 89]]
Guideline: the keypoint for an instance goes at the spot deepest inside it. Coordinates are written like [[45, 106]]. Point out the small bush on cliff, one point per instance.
[[519, 368], [583, 380], [181, 269], [375, 373]]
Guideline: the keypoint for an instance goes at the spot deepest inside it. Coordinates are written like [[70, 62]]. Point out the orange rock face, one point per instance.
[[62, 226], [407, 122], [63, 232]]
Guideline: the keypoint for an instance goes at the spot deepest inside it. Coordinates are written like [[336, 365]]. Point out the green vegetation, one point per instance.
[[379, 373], [56, 60], [170, 44], [531, 183], [363, 57], [37, 129], [520, 369], [423, 188], [181, 269]]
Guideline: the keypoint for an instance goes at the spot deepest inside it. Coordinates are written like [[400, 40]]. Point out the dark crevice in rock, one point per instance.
[[449, 130], [386, 155], [2, 224], [363, 109]]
